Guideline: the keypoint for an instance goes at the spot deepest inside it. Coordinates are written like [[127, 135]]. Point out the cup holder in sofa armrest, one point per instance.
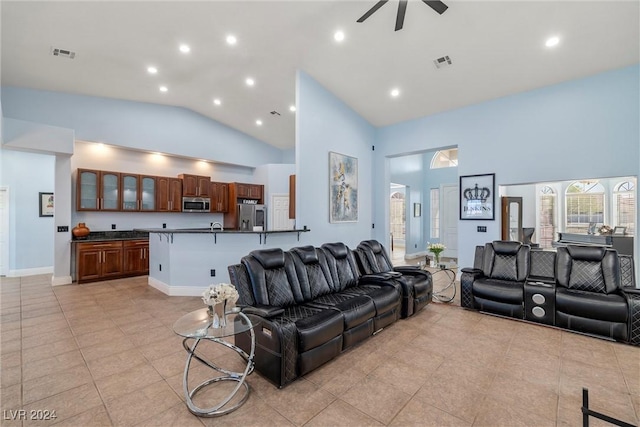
[[265, 311]]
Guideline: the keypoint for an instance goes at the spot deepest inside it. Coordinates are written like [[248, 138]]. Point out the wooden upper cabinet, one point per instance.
[[168, 194], [249, 191], [98, 190], [138, 192], [195, 185], [219, 197]]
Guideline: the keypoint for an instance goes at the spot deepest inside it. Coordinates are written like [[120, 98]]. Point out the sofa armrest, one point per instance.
[[409, 270], [632, 295], [265, 311], [384, 276], [468, 276]]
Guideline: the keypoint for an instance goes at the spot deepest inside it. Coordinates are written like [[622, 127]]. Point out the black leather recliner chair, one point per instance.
[[498, 287], [416, 284], [589, 295], [346, 278]]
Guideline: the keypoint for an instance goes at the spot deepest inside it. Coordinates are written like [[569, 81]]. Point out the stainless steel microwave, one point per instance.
[[196, 204]]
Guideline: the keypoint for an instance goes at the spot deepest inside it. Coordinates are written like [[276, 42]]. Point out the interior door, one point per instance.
[[279, 213], [449, 219]]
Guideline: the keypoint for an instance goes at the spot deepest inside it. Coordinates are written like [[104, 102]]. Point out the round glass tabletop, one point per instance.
[[199, 324]]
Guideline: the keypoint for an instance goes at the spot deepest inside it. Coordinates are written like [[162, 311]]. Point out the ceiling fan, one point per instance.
[[436, 5]]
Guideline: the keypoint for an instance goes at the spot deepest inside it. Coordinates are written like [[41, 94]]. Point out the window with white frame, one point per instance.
[[584, 205], [397, 215], [435, 213], [547, 212], [445, 159], [624, 206]]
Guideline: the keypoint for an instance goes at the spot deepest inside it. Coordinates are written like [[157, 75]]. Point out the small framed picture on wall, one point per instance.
[[477, 197], [46, 204]]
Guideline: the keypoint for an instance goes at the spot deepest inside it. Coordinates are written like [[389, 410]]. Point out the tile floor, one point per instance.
[[104, 354]]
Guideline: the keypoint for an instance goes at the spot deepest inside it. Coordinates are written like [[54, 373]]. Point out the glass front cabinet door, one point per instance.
[[110, 195], [148, 193], [130, 193], [87, 189]]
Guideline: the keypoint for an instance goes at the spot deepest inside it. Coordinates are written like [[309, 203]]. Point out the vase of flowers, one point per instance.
[[436, 249], [605, 230], [220, 298]]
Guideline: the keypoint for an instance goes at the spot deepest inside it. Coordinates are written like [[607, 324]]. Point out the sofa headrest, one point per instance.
[[269, 258], [586, 253], [307, 254], [338, 250], [374, 245], [503, 247]]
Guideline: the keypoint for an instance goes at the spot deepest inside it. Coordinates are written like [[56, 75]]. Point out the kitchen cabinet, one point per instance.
[[135, 257], [249, 191], [98, 190], [99, 261], [168, 194], [195, 185], [138, 193], [219, 197]]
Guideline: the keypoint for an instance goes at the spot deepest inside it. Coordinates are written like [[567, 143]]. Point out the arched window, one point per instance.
[[546, 234], [445, 159], [585, 205], [624, 206], [397, 215]]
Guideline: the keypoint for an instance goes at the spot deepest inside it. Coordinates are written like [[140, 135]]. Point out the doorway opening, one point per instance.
[[397, 220]]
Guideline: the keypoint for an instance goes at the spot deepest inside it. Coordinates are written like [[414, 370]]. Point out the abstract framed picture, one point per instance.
[[46, 204], [343, 188], [477, 197]]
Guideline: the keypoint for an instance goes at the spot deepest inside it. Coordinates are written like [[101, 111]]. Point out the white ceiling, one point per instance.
[[497, 49]]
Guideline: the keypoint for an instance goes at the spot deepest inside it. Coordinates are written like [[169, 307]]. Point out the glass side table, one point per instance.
[[198, 326], [445, 293]]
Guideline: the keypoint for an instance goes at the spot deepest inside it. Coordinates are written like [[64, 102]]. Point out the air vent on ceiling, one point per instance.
[[442, 61], [275, 113], [63, 53]]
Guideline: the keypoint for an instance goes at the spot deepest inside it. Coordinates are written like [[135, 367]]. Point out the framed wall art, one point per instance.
[[477, 197], [417, 209], [46, 204], [343, 188]]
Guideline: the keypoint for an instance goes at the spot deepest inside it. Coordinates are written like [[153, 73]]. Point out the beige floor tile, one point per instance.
[[54, 383], [49, 350], [64, 405], [42, 320], [164, 347], [47, 327], [106, 349], [454, 395], [99, 337], [46, 337], [418, 413], [11, 364], [150, 334], [377, 399], [141, 404], [115, 363], [45, 366], [94, 417], [10, 346], [340, 413], [125, 382], [298, 402], [178, 416], [494, 413], [171, 364], [532, 398], [396, 372], [612, 404], [588, 376]]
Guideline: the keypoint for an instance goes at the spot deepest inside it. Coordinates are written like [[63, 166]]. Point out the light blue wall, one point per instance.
[[582, 128], [31, 236], [323, 124], [138, 125]]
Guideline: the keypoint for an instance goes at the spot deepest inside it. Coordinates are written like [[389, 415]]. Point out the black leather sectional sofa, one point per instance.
[[586, 289], [313, 303]]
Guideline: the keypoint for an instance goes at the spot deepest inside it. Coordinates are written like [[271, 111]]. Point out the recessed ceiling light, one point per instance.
[[292, 108], [163, 89], [552, 41], [259, 122], [338, 36], [217, 101], [184, 48], [231, 39], [152, 70], [250, 81], [395, 93]]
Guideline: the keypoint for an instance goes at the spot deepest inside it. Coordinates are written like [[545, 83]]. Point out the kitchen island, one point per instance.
[[185, 261]]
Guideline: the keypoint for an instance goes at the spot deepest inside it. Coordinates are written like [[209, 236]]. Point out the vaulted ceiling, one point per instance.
[[496, 48]]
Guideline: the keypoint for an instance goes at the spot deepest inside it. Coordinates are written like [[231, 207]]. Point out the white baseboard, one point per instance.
[[176, 291], [61, 280], [30, 271]]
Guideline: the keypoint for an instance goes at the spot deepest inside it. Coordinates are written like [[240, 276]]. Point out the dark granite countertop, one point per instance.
[[216, 231], [105, 236]]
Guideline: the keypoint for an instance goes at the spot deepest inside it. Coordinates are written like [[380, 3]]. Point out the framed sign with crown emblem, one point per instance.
[[477, 197]]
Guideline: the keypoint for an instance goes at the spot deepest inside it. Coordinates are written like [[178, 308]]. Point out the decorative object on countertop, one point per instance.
[[436, 249], [605, 229], [80, 231], [221, 299]]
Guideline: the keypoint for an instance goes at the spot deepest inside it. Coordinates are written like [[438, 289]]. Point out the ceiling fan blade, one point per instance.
[[437, 5], [372, 10], [402, 8]]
